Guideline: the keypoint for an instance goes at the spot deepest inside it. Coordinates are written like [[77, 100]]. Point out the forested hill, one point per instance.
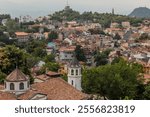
[[141, 12], [103, 18]]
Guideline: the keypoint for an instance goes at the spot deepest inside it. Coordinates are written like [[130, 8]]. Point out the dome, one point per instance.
[[74, 63], [16, 76]]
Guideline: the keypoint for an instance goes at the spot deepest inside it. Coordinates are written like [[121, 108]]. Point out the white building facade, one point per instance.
[[74, 74]]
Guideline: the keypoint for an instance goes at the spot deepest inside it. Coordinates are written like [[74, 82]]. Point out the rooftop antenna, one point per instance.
[[67, 3], [16, 65]]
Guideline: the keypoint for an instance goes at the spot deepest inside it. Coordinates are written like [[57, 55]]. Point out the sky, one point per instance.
[[37, 8]]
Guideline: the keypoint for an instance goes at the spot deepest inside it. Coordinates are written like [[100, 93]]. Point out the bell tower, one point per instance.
[[74, 74]]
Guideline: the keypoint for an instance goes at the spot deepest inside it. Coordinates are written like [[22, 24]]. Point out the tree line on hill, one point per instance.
[[104, 19]]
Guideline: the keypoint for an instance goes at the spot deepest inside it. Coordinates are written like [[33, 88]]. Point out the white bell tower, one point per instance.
[[74, 74]]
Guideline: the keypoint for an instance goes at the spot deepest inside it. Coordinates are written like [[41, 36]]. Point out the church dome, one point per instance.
[[16, 76], [17, 82], [74, 63]]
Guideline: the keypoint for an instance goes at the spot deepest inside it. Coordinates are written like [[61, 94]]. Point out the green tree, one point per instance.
[[117, 36], [144, 36], [52, 36], [65, 77], [39, 52], [52, 66], [10, 57], [101, 58], [2, 77], [49, 58], [12, 26], [112, 81], [80, 53], [147, 92], [117, 60], [96, 31]]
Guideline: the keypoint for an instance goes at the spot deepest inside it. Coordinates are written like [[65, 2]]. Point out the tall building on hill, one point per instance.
[[113, 11], [67, 7]]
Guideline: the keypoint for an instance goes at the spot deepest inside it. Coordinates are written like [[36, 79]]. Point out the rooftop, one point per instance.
[[7, 96], [67, 49], [21, 33], [74, 63], [55, 89], [16, 76]]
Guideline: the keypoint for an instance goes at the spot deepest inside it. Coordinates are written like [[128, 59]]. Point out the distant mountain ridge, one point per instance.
[[141, 12]]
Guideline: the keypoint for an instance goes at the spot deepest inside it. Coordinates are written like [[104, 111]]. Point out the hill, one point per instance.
[[141, 12], [105, 19]]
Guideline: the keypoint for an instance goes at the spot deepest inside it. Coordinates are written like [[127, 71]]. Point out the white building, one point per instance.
[[74, 74], [66, 53], [22, 36], [68, 41], [126, 24]]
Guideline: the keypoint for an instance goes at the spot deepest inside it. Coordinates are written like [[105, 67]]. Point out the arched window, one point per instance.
[[72, 72], [5, 85], [21, 86], [76, 72], [28, 84], [12, 87], [72, 82]]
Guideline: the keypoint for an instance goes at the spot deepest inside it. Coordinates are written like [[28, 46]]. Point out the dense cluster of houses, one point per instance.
[[70, 34]]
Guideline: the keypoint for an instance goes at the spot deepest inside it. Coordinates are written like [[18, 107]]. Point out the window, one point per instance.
[[76, 72], [72, 82], [72, 72], [12, 87], [21, 86], [5, 85], [28, 84]]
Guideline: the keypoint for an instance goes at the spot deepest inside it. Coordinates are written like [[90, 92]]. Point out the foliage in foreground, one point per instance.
[[116, 81]]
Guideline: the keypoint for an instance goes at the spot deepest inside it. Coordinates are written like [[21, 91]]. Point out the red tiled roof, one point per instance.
[[42, 77], [68, 49], [146, 76], [7, 96], [55, 89], [1, 87], [28, 95], [21, 33], [16, 76], [51, 73]]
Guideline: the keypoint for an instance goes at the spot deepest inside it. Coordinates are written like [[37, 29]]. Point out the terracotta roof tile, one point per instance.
[[28, 95], [21, 33], [16, 76], [1, 87], [55, 89], [51, 73], [42, 77], [7, 96], [68, 49]]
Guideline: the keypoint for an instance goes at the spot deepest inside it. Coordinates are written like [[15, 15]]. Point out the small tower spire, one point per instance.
[[16, 62], [74, 74], [113, 11], [67, 3]]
